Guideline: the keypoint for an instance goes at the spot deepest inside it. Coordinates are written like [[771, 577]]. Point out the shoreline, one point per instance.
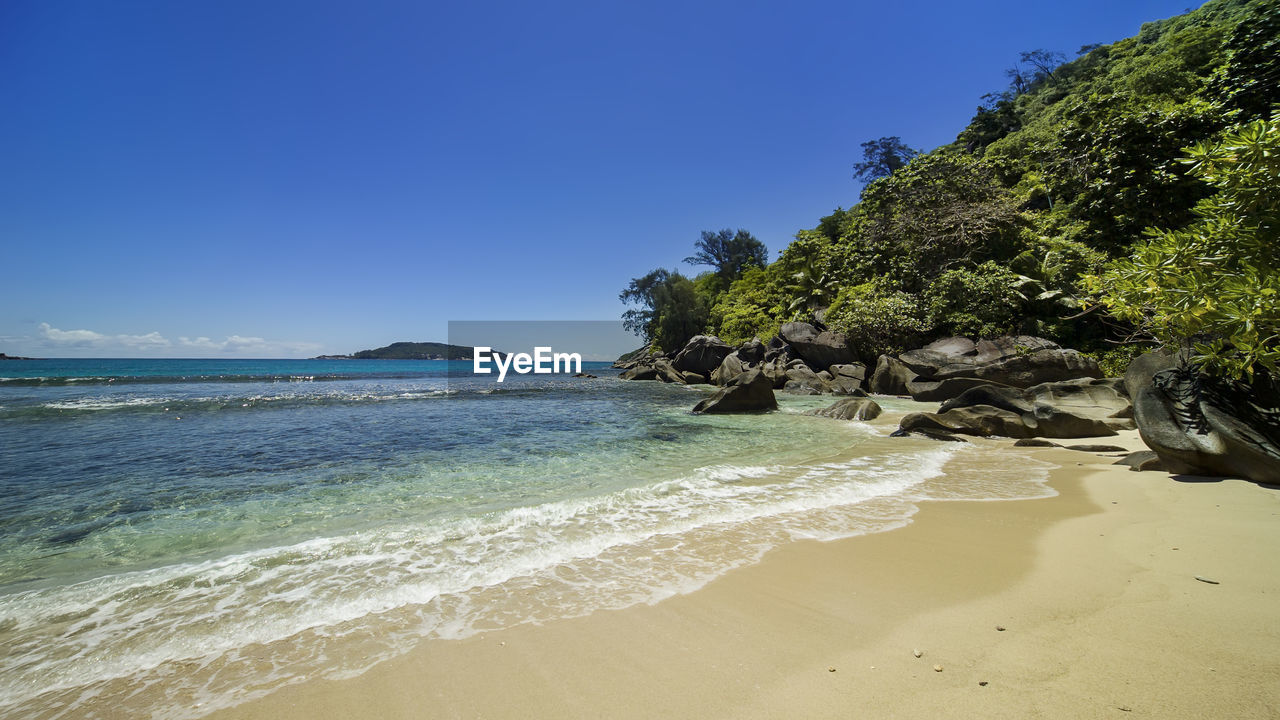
[[1103, 617]]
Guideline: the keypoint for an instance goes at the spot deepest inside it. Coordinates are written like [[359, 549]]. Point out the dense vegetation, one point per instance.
[[1056, 179]]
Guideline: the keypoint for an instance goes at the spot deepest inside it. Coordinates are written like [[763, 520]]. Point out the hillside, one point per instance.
[[1055, 177], [410, 351]]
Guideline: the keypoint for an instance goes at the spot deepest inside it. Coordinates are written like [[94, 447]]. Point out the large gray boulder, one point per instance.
[[1020, 361], [855, 408], [730, 368], [702, 355], [982, 420], [751, 352], [938, 390], [1201, 426], [1084, 407], [751, 391], [820, 349], [891, 377], [667, 372]]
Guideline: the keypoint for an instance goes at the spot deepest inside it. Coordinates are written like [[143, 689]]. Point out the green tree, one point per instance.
[[670, 309], [729, 252], [1212, 288], [882, 157], [878, 320]]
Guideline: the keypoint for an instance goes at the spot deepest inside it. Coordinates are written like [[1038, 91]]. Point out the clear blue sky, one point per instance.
[[274, 179]]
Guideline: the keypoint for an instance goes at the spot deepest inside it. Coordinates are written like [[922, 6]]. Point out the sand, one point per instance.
[[1096, 590]]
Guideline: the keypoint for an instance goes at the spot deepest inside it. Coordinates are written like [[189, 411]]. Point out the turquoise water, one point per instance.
[[179, 535]]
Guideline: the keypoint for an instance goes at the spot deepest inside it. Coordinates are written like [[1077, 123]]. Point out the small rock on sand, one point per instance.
[[937, 668], [917, 653]]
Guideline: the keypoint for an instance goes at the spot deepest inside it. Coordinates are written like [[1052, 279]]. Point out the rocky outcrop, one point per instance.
[[1021, 361], [1071, 409], [891, 377], [1201, 426], [640, 372], [982, 420], [818, 348], [751, 391], [702, 355], [667, 372], [938, 390], [855, 408]]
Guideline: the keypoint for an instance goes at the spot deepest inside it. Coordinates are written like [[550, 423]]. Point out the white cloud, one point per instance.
[[155, 343], [89, 338]]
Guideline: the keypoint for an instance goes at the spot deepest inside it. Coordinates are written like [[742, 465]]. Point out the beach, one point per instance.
[[1096, 590]]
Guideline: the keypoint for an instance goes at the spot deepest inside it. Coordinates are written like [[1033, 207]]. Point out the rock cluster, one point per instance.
[[802, 360]]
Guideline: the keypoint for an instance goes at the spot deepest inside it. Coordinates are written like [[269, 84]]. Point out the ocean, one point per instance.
[[182, 535]]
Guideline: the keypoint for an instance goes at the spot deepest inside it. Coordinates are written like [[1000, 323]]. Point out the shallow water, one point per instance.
[[194, 533]]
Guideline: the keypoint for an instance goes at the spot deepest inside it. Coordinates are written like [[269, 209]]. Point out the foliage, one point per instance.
[[1114, 361], [752, 307], [1115, 166], [878, 321], [1213, 287], [980, 301], [942, 210], [670, 309], [729, 253], [1250, 81], [882, 157]]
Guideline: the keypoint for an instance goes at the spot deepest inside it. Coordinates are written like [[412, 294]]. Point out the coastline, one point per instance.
[[1103, 617]]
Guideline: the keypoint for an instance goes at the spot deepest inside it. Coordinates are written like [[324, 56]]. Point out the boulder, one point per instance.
[[693, 378], [1035, 442], [1141, 461], [929, 432], [639, 356], [1198, 425], [702, 355], [1071, 409], [818, 348], [804, 387], [843, 385], [751, 391], [803, 381], [982, 420], [1097, 448], [667, 372], [891, 377], [751, 352], [1074, 408], [939, 390], [775, 372], [801, 372], [857, 371], [640, 372], [1020, 361], [857, 408], [729, 369]]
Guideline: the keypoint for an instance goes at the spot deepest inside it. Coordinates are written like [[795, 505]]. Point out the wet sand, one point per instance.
[[1096, 590]]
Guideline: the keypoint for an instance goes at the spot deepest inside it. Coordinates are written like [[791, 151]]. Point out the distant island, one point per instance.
[[15, 357], [409, 351]]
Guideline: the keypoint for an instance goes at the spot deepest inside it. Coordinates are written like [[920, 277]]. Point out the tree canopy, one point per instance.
[[882, 157], [1212, 288], [729, 252]]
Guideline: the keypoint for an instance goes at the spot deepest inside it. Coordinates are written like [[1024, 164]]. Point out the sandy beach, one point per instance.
[[1082, 605]]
